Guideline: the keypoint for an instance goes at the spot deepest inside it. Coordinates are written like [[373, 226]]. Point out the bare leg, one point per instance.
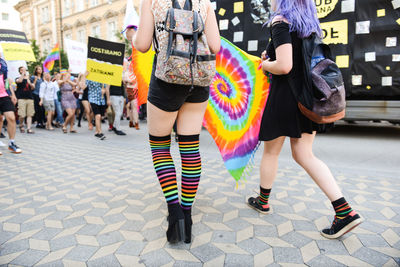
[[160, 122], [190, 118], [72, 121], [28, 122], [98, 123], [134, 111], [11, 124], [269, 161], [70, 115], [319, 172]]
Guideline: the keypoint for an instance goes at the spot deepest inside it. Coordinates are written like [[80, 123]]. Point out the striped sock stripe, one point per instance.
[[164, 167], [264, 196], [342, 208], [191, 168]]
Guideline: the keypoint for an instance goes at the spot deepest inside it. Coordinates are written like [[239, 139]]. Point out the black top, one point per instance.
[[281, 116], [117, 90], [24, 90]]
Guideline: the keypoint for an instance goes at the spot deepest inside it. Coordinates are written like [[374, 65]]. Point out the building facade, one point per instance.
[[9, 17], [50, 21]]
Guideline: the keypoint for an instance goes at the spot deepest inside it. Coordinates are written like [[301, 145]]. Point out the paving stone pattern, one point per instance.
[[76, 201]]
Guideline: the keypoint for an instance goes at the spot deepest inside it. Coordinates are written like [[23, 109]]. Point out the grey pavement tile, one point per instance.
[[206, 252], [238, 260], [58, 215], [115, 218], [296, 239], [58, 263], [200, 228], [265, 230], [325, 261], [62, 242], [253, 246], [153, 233], [91, 229], [74, 222], [109, 260], [81, 253], [47, 233], [187, 264], [110, 238], [119, 203], [223, 237], [19, 218], [250, 213], [331, 247], [274, 218], [304, 226], [30, 257], [97, 212], [287, 255], [212, 217], [156, 258], [373, 227], [5, 236], [83, 206], [152, 215], [131, 248], [237, 224], [134, 226], [373, 257], [13, 247], [372, 240]]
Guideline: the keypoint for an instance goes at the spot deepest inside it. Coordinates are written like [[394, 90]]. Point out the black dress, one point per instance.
[[281, 116]]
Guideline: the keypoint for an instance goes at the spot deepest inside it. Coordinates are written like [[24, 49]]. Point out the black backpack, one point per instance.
[[322, 98]]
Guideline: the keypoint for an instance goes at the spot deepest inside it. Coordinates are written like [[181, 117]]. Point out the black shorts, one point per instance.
[[98, 110], [85, 96], [170, 97], [6, 105]]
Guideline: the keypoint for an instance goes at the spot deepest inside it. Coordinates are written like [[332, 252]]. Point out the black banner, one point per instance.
[[106, 51], [364, 36], [12, 36]]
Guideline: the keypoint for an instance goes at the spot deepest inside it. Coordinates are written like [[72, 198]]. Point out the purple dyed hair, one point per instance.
[[301, 14]]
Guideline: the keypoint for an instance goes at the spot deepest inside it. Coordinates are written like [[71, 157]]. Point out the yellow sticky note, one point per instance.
[[398, 21], [238, 7], [221, 12], [342, 61], [381, 12]]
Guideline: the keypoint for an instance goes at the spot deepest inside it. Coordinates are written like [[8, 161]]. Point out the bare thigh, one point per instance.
[[190, 118], [159, 122]]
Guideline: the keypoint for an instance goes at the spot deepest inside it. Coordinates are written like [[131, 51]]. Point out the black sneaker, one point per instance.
[[100, 136], [2, 135], [254, 203], [119, 132], [342, 226], [14, 148]]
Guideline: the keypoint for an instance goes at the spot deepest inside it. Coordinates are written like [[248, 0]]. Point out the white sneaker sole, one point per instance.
[[345, 229]]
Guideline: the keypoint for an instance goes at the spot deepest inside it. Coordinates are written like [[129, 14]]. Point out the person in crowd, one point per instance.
[[97, 95], [7, 108], [68, 101], [292, 21], [169, 102], [117, 104], [36, 80], [132, 93], [47, 93], [57, 101], [87, 110], [26, 109]]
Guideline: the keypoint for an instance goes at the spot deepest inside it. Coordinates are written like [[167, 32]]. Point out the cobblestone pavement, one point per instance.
[[72, 200]]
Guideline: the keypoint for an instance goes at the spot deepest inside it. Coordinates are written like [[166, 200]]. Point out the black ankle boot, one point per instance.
[[188, 225], [176, 224]]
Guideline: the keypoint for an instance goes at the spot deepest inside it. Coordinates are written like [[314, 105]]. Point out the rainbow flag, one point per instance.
[[54, 55]]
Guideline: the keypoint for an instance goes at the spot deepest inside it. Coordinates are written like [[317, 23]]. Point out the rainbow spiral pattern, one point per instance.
[[238, 96]]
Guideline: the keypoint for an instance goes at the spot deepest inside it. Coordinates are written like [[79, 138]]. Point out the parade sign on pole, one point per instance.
[[16, 46], [105, 61], [77, 55]]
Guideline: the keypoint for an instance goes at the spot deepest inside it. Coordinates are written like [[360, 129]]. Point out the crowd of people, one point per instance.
[[58, 100]]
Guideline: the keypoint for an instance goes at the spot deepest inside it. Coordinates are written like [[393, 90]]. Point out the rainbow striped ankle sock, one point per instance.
[[164, 166], [191, 168], [342, 208], [264, 196]]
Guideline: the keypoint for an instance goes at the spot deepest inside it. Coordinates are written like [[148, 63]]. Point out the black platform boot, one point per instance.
[[188, 225], [176, 224]]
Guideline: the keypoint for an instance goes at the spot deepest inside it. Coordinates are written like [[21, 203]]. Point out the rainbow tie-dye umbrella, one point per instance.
[[237, 99]]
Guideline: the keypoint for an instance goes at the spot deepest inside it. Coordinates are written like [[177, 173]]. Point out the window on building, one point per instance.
[[67, 8], [80, 6], [82, 36], [94, 3], [4, 1], [68, 36], [96, 31], [46, 45], [4, 16], [111, 31], [45, 14]]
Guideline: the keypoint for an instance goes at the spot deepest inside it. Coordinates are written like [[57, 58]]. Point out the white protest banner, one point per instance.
[[77, 55]]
